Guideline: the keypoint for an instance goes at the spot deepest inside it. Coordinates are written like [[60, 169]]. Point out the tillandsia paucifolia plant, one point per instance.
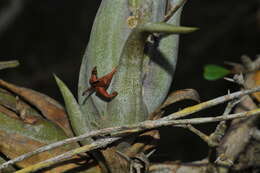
[[135, 39], [125, 76]]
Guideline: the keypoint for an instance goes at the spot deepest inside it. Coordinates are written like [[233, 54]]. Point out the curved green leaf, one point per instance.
[[128, 106], [80, 123], [214, 72]]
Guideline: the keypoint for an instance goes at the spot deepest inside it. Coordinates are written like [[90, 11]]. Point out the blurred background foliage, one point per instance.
[[49, 36]]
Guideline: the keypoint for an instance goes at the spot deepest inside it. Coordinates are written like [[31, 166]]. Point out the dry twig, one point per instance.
[[210, 103], [95, 145]]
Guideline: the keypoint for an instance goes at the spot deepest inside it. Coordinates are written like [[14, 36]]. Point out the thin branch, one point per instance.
[[95, 145], [221, 128], [202, 135], [210, 103], [213, 139], [57, 144], [132, 129], [146, 125], [231, 145], [231, 105]]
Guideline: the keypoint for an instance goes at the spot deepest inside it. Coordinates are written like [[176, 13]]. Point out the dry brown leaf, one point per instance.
[[145, 142], [17, 138], [8, 112], [185, 94], [51, 109], [14, 145]]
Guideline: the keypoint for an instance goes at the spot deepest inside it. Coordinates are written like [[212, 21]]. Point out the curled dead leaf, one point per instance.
[[50, 108], [179, 95], [176, 96], [17, 138]]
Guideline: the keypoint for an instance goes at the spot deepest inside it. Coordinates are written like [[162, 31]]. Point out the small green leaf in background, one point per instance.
[[214, 72]]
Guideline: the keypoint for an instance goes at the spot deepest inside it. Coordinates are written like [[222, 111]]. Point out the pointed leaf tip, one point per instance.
[[78, 122], [167, 28], [214, 72]]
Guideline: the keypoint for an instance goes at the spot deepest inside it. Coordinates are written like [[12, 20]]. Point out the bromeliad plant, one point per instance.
[[134, 47], [134, 38]]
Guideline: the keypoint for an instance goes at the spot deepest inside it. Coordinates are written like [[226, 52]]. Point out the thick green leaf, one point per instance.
[[159, 66], [214, 72], [108, 35], [128, 107]]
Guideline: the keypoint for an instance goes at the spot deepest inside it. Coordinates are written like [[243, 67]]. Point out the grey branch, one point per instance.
[[146, 125], [95, 145], [210, 103]]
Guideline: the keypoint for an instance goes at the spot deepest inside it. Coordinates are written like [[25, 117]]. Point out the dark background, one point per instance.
[[49, 36]]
